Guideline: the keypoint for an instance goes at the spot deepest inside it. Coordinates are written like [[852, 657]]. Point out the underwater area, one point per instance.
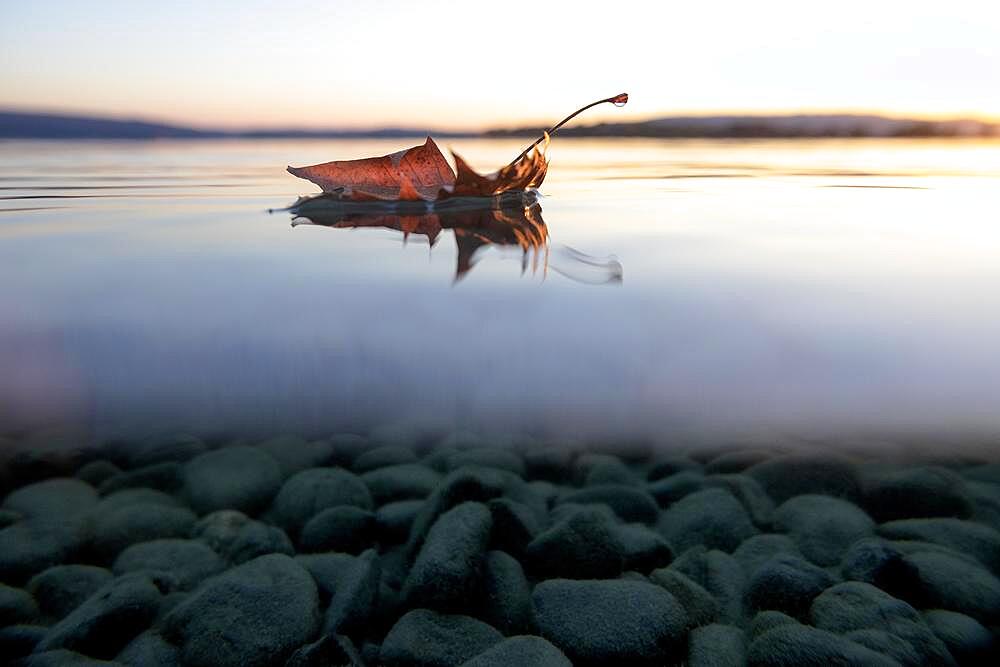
[[699, 402]]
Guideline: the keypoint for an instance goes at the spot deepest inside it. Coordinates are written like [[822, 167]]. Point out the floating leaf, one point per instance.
[[413, 174], [422, 173]]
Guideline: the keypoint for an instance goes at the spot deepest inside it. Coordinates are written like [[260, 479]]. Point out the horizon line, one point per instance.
[[935, 117]]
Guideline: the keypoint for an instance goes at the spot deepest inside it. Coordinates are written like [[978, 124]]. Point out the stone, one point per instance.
[[178, 448], [716, 645], [108, 619], [699, 604], [238, 478], [328, 650], [16, 606], [49, 529], [856, 606], [671, 489], [713, 518], [721, 575], [150, 648], [929, 491], [189, 562], [343, 528], [9, 518], [758, 549], [327, 570], [788, 584], [737, 461], [138, 496], [471, 483], [750, 493], [308, 492], [584, 544], [394, 520], [62, 588], [985, 500], [878, 562], [111, 530], [488, 457], [803, 646], [425, 638], [355, 595], [97, 471], [63, 658], [631, 504], [405, 481], [968, 537], [968, 640], [33, 544], [160, 476], [889, 645], [506, 595], [238, 538], [768, 620], [589, 469], [951, 583], [347, 447], [17, 641], [784, 477], [546, 492], [601, 622], [670, 464], [522, 651], [448, 567], [515, 525], [381, 457], [552, 463], [395, 566], [257, 613], [57, 497], [295, 454], [823, 527], [642, 548]]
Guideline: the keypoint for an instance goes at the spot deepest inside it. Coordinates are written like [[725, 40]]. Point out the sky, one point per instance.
[[474, 65]]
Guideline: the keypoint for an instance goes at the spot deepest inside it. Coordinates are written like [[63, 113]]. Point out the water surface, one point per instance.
[[804, 288]]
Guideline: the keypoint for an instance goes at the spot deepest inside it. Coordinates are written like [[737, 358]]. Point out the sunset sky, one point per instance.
[[470, 65]]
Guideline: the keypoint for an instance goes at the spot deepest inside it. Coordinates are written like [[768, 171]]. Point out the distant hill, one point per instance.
[[19, 125], [26, 125], [792, 126]]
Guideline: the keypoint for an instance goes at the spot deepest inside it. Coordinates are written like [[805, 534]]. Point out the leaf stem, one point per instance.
[[617, 100]]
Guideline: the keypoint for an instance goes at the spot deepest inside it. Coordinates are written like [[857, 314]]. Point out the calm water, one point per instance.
[[722, 288]]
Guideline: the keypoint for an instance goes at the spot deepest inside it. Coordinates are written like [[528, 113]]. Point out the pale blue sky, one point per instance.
[[475, 64]]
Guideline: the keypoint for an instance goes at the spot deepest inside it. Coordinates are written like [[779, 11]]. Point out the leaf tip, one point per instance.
[[620, 100]]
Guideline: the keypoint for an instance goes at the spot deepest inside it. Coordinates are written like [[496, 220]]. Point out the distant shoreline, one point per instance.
[[46, 126]]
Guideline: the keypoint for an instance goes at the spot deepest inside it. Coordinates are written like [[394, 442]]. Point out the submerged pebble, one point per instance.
[[330, 551]]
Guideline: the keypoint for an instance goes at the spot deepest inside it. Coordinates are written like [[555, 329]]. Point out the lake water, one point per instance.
[[688, 288]]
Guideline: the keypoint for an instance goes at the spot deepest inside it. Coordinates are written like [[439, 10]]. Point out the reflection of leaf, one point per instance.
[[511, 220], [514, 221], [421, 173]]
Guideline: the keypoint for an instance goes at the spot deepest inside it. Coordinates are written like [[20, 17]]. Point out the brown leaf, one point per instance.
[[528, 172], [408, 175], [422, 174]]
